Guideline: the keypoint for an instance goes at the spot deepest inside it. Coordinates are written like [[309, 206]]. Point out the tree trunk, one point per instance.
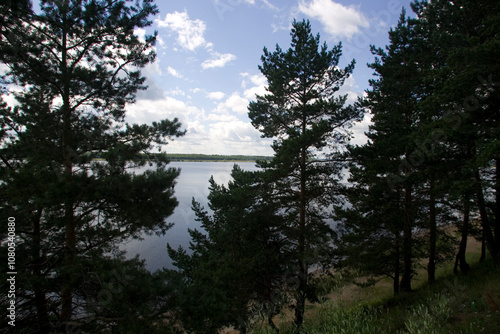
[[396, 287], [460, 258], [40, 297], [431, 266], [485, 221], [407, 244], [303, 268], [69, 263], [70, 236], [483, 247], [497, 202]]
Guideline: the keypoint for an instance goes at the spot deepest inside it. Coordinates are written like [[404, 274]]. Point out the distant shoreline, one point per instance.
[[193, 157]]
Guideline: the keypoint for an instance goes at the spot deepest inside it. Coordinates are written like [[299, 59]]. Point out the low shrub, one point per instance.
[[432, 317]]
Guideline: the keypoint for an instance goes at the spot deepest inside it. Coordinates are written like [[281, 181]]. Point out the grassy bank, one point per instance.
[[463, 303]]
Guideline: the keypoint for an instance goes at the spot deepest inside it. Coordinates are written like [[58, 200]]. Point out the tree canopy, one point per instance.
[[78, 64], [309, 122]]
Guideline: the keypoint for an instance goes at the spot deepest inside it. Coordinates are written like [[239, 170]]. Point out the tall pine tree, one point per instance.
[[463, 34], [384, 176], [310, 126], [67, 151]]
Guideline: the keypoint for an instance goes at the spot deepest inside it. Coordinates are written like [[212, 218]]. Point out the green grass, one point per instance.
[[460, 303]]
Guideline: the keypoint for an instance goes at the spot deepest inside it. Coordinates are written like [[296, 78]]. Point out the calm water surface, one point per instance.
[[193, 182]]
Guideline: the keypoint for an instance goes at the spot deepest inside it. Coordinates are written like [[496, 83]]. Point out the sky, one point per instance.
[[208, 53]]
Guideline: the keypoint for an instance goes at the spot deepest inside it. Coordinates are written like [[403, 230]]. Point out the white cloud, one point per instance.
[[216, 95], [260, 82], [270, 5], [141, 34], [224, 118], [152, 72], [244, 82], [258, 79], [176, 91], [221, 131], [351, 89], [209, 46], [160, 41], [238, 104], [237, 131], [233, 104], [338, 20], [218, 60], [189, 32], [173, 72], [359, 129], [147, 111], [190, 36], [225, 137]]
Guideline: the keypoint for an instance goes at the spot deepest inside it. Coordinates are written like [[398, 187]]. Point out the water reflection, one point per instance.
[[193, 182]]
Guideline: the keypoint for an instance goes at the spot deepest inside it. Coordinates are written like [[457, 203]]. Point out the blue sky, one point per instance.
[[208, 55], [208, 52]]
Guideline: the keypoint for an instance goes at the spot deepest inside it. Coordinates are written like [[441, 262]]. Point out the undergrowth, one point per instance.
[[463, 303]]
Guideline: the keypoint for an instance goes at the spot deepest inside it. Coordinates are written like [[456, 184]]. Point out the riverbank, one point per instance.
[[462, 303], [195, 157]]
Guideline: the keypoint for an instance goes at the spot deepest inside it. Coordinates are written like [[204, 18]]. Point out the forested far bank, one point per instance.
[[215, 157]]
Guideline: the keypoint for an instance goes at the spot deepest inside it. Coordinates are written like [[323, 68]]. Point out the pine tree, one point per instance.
[[67, 151], [384, 175], [237, 263], [466, 101], [369, 233], [305, 117]]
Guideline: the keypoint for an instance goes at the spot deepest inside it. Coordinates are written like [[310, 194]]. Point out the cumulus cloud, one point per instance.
[[173, 72], [222, 130], [220, 134], [237, 104], [259, 82], [238, 131], [359, 129], [234, 103], [218, 60], [216, 95], [338, 20], [190, 36], [140, 33], [189, 32], [147, 111], [351, 89]]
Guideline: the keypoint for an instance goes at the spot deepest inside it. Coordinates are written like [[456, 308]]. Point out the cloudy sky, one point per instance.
[[208, 55]]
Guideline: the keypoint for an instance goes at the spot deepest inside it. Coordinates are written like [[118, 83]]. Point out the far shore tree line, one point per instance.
[[215, 157], [430, 169]]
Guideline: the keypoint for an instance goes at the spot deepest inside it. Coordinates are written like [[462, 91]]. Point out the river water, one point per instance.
[[193, 182]]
